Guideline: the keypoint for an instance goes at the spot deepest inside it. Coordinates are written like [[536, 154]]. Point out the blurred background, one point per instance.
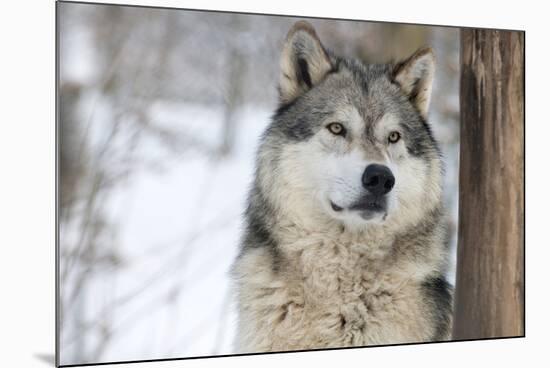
[[160, 112]]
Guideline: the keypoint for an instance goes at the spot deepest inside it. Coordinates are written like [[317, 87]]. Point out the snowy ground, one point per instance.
[[178, 232]]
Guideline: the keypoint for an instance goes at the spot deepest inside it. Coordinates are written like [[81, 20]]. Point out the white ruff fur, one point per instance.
[[334, 290]]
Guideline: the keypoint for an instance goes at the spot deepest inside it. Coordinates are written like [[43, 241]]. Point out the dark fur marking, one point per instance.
[[257, 233], [342, 322], [284, 313], [282, 109], [299, 131], [420, 142], [303, 72], [438, 294]]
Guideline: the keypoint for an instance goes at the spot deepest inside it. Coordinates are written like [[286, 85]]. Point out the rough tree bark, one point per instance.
[[489, 298]]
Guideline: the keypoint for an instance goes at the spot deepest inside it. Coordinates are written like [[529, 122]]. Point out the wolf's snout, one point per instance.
[[378, 179]]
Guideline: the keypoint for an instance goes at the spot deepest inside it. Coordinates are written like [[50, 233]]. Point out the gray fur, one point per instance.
[[309, 278]]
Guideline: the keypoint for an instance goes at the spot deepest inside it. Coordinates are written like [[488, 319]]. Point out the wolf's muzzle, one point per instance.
[[378, 179]]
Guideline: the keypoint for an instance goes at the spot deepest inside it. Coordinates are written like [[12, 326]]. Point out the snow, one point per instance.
[[178, 232]]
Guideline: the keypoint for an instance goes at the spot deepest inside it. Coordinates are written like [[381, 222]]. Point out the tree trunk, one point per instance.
[[489, 298]]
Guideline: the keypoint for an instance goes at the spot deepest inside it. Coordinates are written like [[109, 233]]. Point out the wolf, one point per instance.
[[344, 237]]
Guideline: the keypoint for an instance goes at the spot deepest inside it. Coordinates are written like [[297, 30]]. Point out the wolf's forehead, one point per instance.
[[368, 93], [362, 107], [371, 124]]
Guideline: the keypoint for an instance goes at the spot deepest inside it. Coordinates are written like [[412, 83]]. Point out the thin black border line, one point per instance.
[[57, 173], [289, 352], [283, 15]]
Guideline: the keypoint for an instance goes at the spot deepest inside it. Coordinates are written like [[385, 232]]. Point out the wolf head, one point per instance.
[[350, 142]]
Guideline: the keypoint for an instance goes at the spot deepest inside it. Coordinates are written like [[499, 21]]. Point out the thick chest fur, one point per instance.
[[327, 295]]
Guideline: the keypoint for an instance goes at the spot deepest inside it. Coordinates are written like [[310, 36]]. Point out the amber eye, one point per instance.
[[336, 129], [394, 137]]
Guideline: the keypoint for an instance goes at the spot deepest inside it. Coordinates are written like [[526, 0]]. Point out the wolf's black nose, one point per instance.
[[378, 179]]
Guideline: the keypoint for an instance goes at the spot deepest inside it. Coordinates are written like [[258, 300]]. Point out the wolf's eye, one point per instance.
[[394, 137], [336, 129]]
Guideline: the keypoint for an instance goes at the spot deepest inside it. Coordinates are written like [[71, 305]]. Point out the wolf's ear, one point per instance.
[[415, 76], [304, 62]]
